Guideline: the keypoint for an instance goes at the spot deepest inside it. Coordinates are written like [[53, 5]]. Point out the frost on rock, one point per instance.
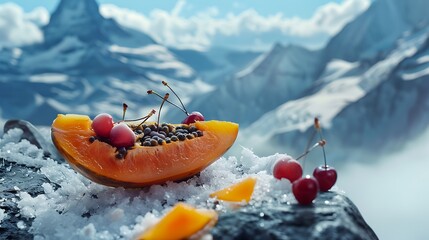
[[81, 209]]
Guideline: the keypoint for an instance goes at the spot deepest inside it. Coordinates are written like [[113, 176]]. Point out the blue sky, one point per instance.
[[197, 24], [301, 8]]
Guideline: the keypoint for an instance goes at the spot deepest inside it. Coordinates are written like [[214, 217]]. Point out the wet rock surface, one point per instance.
[[15, 178], [332, 216]]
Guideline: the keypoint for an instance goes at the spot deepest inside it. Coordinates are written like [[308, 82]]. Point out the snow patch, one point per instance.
[[16, 53], [54, 58], [157, 50], [3, 215], [49, 78], [423, 59], [252, 66], [337, 68], [152, 56], [381, 70], [21, 225], [299, 114], [415, 75]]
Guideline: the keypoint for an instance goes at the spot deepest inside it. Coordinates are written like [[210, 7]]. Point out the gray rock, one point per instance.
[[16, 178], [332, 216]]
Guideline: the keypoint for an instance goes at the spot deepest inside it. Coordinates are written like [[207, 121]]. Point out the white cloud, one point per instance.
[[392, 191], [18, 28], [207, 28], [201, 30], [39, 16]]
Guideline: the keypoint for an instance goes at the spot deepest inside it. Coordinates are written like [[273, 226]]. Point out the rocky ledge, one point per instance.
[[332, 216]]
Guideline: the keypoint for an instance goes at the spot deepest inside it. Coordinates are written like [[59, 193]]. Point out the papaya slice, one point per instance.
[[142, 165], [182, 222], [237, 192]]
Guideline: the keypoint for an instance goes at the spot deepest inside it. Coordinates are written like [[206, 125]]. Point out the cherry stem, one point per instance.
[[319, 130], [184, 108], [313, 134], [145, 118], [124, 110], [157, 94], [138, 119], [160, 107], [324, 155], [320, 143]]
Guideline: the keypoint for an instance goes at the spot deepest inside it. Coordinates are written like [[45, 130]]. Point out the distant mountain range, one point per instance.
[[88, 64], [369, 86]]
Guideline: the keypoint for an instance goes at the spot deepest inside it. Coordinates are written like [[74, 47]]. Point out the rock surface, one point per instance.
[[332, 216], [14, 178]]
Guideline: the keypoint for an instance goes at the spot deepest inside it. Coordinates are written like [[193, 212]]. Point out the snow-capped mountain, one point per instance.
[[367, 105], [282, 74], [88, 64], [83, 20], [217, 64], [373, 34]]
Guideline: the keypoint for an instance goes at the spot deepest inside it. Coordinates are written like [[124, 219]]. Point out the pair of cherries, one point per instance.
[[305, 189], [120, 134]]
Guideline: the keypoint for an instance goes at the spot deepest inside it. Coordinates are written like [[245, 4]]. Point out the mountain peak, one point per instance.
[[80, 18], [83, 10]]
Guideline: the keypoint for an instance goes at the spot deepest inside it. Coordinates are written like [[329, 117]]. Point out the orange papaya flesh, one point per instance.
[[142, 165], [237, 192], [182, 222]]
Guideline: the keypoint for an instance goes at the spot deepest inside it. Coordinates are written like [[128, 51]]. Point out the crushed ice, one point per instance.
[[73, 207]]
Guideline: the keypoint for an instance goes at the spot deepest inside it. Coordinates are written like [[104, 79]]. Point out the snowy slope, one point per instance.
[[374, 33], [217, 64], [364, 87], [372, 108], [271, 79]]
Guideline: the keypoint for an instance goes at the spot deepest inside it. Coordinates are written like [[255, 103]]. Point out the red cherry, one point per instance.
[[326, 177], [122, 136], [193, 117], [287, 168], [305, 190], [102, 125]]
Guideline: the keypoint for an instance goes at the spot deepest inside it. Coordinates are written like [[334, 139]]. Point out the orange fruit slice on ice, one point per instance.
[[237, 192], [142, 165], [182, 222]]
